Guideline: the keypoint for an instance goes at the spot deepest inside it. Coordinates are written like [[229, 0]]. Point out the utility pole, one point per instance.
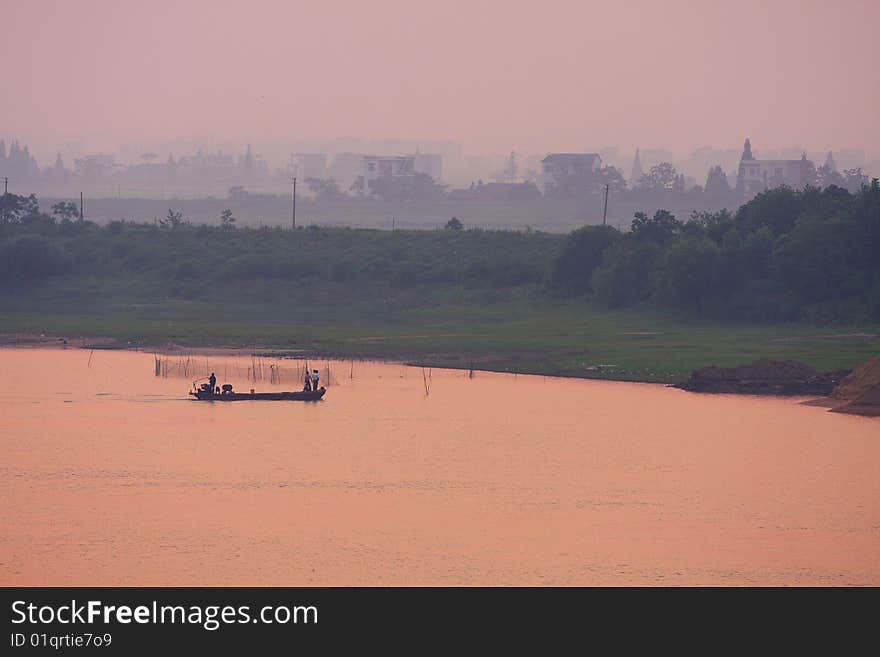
[[5, 185], [605, 211], [81, 215], [293, 214]]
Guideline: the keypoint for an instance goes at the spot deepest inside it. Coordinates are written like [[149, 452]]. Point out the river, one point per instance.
[[404, 476]]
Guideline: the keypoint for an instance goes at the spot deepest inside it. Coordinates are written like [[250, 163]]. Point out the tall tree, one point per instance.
[[660, 228], [610, 176], [66, 211], [660, 178], [716, 181], [580, 256]]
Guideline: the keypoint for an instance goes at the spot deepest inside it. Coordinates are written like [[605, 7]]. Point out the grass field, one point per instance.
[[561, 338], [551, 215]]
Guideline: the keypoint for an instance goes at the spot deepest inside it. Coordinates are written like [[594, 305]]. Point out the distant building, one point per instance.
[[56, 174], [829, 162], [635, 175], [430, 164], [556, 167], [388, 165], [309, 165], [400, 166], [207, 164], [345, 169], [19, 163], [758, 175]]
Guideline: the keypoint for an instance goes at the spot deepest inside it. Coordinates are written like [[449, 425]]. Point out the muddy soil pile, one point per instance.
[[861, 390], [764, 377]]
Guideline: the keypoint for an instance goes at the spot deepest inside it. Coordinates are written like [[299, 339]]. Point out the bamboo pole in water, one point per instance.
[[426, 379]]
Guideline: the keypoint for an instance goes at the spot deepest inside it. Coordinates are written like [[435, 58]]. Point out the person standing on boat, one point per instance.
[[315, 378], [307, 384], [213, 381]]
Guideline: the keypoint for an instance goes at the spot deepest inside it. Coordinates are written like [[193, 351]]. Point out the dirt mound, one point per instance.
[[859, 380], [764, 377], [867, 403], [861, 389]]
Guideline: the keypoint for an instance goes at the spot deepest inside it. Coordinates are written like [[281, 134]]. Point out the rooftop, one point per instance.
[[564, 158]]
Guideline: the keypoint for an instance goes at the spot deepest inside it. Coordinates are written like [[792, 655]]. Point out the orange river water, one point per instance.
[[111, 476]]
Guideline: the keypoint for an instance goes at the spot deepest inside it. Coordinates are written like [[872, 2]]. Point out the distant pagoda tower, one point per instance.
[[741, 171], [248, 162], [635, 175], [747, 151], [830, 164]]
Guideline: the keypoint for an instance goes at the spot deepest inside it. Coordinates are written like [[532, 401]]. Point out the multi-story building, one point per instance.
[[309, 165], [399, 166], [345, 169], [758, 175], [430, 164], [557, 167], [376, 166]]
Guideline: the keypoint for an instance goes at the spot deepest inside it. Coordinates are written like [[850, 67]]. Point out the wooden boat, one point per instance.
[[206, 395]]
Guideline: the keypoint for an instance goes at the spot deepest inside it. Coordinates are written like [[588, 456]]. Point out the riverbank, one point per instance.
[[528, 337]]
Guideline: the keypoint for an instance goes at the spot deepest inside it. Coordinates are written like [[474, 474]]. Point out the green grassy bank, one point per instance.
[[526, 335]]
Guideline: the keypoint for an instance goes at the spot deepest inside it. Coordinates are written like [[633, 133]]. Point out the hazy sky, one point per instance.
[[493, 75]]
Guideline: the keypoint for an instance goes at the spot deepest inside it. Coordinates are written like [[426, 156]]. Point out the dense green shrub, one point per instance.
[[784, 255], [30, 257]]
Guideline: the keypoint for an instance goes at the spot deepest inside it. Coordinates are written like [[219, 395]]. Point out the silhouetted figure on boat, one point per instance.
[[212, 380], [307, 384], [315, 378]]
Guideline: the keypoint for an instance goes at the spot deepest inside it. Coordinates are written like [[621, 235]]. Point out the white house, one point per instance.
[[757, 175], [556, 167]]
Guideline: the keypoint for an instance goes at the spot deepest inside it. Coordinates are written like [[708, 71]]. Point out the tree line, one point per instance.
[[811, 254], [174, 256], [785, 255]]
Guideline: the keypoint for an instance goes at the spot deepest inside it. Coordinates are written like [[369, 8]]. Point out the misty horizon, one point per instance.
[[489, 77]]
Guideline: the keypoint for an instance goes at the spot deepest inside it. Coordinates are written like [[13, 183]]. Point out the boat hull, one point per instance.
[[202, 395]]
